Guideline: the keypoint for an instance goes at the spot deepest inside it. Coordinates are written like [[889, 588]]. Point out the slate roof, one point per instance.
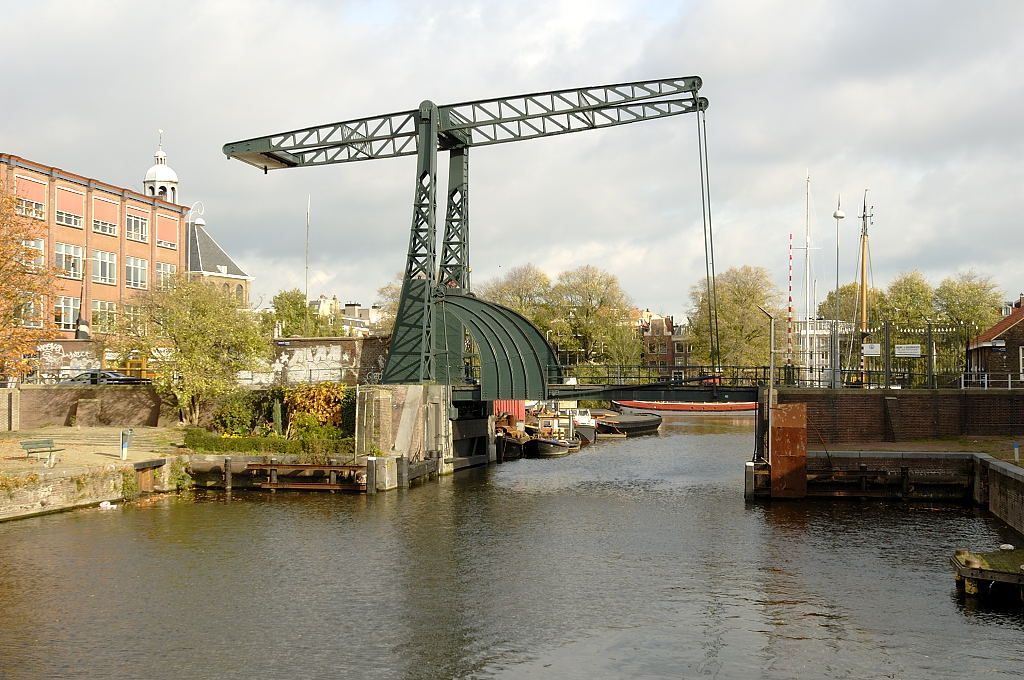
[[206, 255], [1003, 325]]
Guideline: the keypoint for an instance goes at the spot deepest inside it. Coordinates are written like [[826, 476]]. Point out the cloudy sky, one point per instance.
[[919, 101]]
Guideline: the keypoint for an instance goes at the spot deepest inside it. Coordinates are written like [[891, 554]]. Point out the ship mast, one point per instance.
[[809, 360], [865, 216]]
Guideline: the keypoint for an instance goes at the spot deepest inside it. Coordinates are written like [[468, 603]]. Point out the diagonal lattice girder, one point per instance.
[[411, 357], [453, 271], [478, 123]]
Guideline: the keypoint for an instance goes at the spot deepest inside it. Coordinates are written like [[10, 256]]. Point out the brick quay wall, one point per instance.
[[853, 415]]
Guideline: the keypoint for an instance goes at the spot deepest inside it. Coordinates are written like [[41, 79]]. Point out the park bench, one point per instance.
[[40, 448]]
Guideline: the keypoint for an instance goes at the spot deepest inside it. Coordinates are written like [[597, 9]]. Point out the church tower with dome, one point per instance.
[[161, 181]]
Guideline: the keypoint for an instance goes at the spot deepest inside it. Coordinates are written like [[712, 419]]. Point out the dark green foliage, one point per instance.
[[263, 403], [348, 413], [201, 440], [129, 485], [306, 426], [178, 476], [278, 419], [235, 415]]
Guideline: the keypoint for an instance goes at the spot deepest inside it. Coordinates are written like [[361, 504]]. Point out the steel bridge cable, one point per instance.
[[711, 239], [714, 351]]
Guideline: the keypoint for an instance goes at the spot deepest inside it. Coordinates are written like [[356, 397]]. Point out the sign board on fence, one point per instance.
[[908, 351], [871, 349]]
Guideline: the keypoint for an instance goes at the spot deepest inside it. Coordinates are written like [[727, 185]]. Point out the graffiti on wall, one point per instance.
[[308, 363], [55, 362]]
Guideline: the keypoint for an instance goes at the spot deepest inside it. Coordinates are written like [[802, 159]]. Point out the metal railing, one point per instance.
[[621, 374], [872, 379], [992, 381]]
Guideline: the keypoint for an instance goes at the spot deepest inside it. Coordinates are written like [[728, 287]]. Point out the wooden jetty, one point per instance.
[[999, 573], [311, 476]]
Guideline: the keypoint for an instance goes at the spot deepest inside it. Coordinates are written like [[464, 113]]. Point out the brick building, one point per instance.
[[205, 258], [665, 345], [998, 352], [106, 241]]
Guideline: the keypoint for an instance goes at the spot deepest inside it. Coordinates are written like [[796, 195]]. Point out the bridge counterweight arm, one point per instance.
[[477, 123]]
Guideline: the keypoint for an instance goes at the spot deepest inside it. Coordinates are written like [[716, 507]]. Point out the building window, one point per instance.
[[30, 209], [104, 267], [240, 293], [101, 227], [132, 316], [165, 273], [69, 260], [104, 315], [65, 312], [29, 314], [136, 228], [37, 261], [136, 272], [68, 219]]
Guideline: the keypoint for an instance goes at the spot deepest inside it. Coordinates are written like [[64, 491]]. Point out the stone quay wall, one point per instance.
[[999, 485]]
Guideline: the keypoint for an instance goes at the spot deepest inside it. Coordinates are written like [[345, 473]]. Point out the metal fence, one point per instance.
[[891, 355]]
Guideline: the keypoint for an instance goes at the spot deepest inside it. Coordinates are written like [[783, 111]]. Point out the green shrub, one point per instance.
[[330, 403], [263, 404], [235, 415], [310, 450], [178, 475], [201, 440], [129, 485], [307, 426], [320, 451]]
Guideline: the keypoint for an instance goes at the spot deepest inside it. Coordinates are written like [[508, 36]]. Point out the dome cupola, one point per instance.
[[161, 181]]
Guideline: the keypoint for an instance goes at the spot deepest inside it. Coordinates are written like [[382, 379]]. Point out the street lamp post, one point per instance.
[[837, 375]]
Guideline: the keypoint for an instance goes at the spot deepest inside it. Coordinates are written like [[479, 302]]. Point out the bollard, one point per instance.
[[1016, 452], [126, 438], [371, 475], [403, 472], [227, 473]]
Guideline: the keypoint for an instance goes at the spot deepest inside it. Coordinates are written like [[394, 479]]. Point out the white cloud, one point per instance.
[[917, 100]]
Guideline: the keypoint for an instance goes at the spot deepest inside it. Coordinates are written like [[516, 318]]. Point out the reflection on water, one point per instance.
[[633, 558]]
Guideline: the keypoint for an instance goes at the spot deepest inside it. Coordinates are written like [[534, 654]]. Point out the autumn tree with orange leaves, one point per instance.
[[26, 281]]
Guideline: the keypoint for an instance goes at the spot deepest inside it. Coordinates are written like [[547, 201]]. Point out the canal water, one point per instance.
[[634, 559]]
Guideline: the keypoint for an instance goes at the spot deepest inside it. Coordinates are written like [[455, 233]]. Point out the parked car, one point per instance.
[[103, 377]]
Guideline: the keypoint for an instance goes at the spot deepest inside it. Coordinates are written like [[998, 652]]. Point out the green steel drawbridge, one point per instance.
[[436, 306]]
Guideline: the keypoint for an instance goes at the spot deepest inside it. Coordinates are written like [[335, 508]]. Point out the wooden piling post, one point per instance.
[[273, 473], [333, 476], [904, 482], [863, 469], [227, 473]]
